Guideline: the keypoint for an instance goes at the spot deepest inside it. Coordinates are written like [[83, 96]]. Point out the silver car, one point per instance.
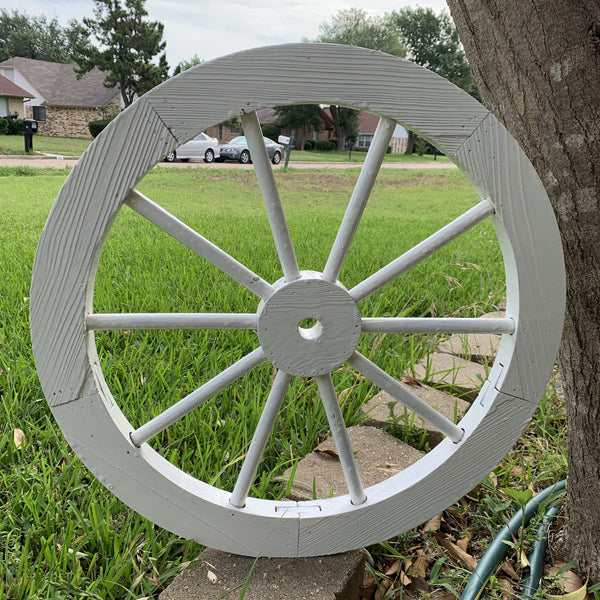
[[201, 146], [237, 149]]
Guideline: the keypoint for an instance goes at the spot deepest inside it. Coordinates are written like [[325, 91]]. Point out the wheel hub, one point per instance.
[[309, 326]]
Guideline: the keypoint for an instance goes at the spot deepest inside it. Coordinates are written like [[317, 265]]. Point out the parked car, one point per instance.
[[201, 146], [237, 149]]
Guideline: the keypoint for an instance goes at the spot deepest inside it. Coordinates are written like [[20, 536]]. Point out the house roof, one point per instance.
[[58, 85], [367, 122], [8, 88]]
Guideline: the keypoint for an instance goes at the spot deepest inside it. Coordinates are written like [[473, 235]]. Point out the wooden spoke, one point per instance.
[[197, 398], [130, 321], [260, 439], [359, 199], [422, 250], [266, 181], [342, 441], [198, 244], [384, 381], [437, 325]]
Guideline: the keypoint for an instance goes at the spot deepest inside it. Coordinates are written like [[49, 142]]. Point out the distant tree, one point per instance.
[[184, 65], [270, 131], [299, 117], [432, 41], [37, 37], [355, 27], [126, 47]]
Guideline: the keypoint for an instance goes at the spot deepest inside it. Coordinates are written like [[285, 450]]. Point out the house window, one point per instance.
[[3, 107], [39, 113], [364, 140], [235, 128]]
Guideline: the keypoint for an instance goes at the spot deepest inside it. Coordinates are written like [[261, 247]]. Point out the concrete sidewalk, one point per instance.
[[61, 162]]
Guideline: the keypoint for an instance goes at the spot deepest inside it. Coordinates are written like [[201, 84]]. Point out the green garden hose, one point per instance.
[[497, 549], [538, 552]]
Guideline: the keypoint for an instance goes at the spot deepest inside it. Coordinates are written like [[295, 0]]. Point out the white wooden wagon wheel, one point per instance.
[[63, 323]]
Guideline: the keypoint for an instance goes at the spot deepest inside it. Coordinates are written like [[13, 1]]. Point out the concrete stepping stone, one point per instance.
[[378, 456], [222, 575], [477, 347], [452, 373], [377, 410]]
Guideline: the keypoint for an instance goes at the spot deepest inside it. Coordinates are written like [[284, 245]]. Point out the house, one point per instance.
[[62, 104], [367, 124], [12, 97]]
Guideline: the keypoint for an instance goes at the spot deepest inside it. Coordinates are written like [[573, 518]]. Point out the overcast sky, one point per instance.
[[213, 28]]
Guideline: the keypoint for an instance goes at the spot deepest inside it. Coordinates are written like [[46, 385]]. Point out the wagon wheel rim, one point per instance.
[[117, 453]]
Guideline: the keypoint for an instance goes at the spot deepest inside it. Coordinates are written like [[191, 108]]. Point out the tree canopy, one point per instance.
[[126, 44], [37, 37], [184, 65], [353, 26], [432, 41]]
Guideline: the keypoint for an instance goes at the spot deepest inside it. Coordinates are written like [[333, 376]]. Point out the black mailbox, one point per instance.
[[29, 127]]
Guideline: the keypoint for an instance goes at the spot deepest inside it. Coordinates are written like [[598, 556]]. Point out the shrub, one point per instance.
[[96, 127], [389, 150], [309, 145], [421, 146], [325, 146], [11, 125], [270, 131]]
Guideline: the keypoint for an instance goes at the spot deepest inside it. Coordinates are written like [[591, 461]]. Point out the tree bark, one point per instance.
[[537, 65]]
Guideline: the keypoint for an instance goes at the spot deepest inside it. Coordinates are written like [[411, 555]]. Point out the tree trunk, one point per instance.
[[340, 134], [537, 65]]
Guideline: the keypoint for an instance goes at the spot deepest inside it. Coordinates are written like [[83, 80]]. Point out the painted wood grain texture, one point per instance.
[[64, 271]]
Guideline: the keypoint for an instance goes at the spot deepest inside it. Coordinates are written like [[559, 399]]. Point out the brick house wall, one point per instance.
[[70, 121], [399, 145], [223, 133]]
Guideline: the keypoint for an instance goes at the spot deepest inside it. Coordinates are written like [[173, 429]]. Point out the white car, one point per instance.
[[201, 146]]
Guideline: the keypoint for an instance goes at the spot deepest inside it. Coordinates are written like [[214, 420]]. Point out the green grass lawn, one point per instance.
[[62, 534], [15, 144]]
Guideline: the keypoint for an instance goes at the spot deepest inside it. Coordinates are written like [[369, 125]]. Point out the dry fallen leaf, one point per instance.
[[568, 581], [580, 594], [212, 577], [382, 589], [433, 524], [368, 585], [421, 564], [393, 569], [455, 552], [463, 543], [19, 437], [329, 452], [411, 381]]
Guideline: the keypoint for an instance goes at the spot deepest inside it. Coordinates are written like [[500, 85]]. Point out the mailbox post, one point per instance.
[[350, 146], [288, 143], [30, 127]]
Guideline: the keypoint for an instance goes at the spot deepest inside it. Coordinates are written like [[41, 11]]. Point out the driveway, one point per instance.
[[70, 161]]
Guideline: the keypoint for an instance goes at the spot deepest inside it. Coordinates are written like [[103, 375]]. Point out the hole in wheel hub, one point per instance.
[[308, 326], [310, 329]]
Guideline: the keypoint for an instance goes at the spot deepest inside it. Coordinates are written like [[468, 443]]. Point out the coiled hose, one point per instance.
[[497, 549]]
